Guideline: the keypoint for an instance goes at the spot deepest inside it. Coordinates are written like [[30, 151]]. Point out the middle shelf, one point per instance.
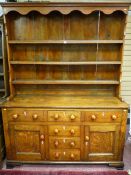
[[66, 53], [66, 62], [65, 81], [65, 41], [66, 74]]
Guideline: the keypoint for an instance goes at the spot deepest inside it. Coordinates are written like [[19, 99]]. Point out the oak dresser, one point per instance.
[[65, 64]]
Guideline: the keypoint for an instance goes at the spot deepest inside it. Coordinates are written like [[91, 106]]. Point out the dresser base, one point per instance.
[[117, 164], [55, 135]]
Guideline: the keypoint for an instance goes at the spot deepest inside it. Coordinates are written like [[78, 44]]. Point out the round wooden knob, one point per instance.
[[72, 156], [57, 155], [72, 131], [56, 131], [56, 143], [93, 117], [72, 144], [87, 138], [35, 116], [72, 117], [56, 116], [42, 137], [114, 117], [15, 116]]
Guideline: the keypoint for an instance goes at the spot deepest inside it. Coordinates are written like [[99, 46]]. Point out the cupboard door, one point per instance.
[[28, 142], [101, 142]]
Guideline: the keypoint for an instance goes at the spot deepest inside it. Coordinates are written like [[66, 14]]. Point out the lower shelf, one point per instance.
[[65, 82]]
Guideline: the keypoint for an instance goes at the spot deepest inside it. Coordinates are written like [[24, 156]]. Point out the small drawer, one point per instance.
[[38, 115], [58, 130], [70, 154], [103, 116], [22, 115], [67, 116], [60, 143]]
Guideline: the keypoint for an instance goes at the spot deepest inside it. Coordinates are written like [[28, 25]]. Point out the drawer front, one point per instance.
[[100, 116], [60, 143], [22, 115], [60, 130], [65, 155], [67, 116]]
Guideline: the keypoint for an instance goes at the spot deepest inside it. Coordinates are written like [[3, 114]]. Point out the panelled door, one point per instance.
[[28, 142], [101, 142]]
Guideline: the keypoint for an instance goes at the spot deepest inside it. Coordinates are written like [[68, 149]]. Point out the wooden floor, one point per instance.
[[64, 102]]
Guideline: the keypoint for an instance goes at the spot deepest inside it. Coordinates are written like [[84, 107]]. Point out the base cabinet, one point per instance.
[[42, 135]]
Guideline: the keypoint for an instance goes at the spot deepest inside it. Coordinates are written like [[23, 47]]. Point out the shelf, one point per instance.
[[1, 58], [1, 74], [65, 82], [66, 63], [64, 41]]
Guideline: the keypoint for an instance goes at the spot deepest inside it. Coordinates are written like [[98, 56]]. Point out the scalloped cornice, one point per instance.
[[64, 8]]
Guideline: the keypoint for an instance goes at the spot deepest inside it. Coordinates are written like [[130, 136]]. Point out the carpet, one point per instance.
[[60, 172]]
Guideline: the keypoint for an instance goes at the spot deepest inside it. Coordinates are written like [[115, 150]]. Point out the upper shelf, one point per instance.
[[65, 8], [66, 62], [65, 41]]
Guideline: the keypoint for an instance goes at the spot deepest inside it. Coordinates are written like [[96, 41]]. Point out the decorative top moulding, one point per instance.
[[64, 8]]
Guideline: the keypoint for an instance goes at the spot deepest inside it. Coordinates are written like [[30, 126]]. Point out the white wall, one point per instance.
[[126, 68]]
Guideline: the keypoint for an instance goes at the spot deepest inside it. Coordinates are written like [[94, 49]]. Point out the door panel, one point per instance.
[[28, 142], [101, 142]]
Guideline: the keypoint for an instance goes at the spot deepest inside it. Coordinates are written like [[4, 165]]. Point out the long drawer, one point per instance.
[[23, 115], [102, 116]]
